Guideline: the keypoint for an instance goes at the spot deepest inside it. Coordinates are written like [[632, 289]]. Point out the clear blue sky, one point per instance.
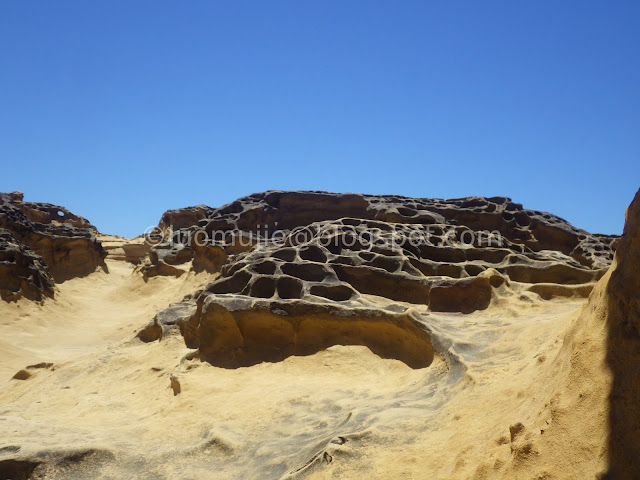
[[120, 110]]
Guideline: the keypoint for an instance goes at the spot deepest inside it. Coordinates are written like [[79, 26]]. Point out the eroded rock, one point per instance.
[[23, 273], [235, 331], [65, 242], [289, 262]]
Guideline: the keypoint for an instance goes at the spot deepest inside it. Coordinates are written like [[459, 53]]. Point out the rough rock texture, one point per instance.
[[237, 331], [277, 210], [122, 249], [43, 241], [623, 349], [184, 217], [332, 254], [22, 271], [527, 388], [592, 409], [624, 286], [177, 315]]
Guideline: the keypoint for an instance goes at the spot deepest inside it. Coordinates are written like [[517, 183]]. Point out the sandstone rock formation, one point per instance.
[[278, 210], [41, 242], [363, 355], [622, 299], [288, 259], [589, 419], [22, 271], [122, 249]]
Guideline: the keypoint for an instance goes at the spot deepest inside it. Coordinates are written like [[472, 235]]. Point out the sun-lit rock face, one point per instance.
[[624, 286], [622, 303], [22, 271], [43, 242], [454, 238], [334, 254], [455, 342]]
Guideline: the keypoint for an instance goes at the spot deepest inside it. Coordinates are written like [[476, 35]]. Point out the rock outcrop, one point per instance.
[[277, 210], [290, 258], [41, 242], [592, 407], [22, 271], [122, 249], [622, 306]]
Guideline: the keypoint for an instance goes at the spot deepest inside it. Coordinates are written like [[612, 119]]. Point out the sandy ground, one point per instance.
[[490, 406], [87, 315]]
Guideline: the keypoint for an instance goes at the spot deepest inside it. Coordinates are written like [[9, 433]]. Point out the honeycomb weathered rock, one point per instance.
[[319, 254]]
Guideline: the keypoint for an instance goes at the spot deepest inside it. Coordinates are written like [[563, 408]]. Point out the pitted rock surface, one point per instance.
[[298, 257]]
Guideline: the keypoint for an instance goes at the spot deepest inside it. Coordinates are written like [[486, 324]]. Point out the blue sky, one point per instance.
[[121, 110]]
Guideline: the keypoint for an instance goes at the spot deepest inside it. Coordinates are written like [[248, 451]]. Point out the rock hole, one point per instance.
[[337, 293], [313, 253], [266, 267], [312, 272], [289, 287], [263, 287]]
